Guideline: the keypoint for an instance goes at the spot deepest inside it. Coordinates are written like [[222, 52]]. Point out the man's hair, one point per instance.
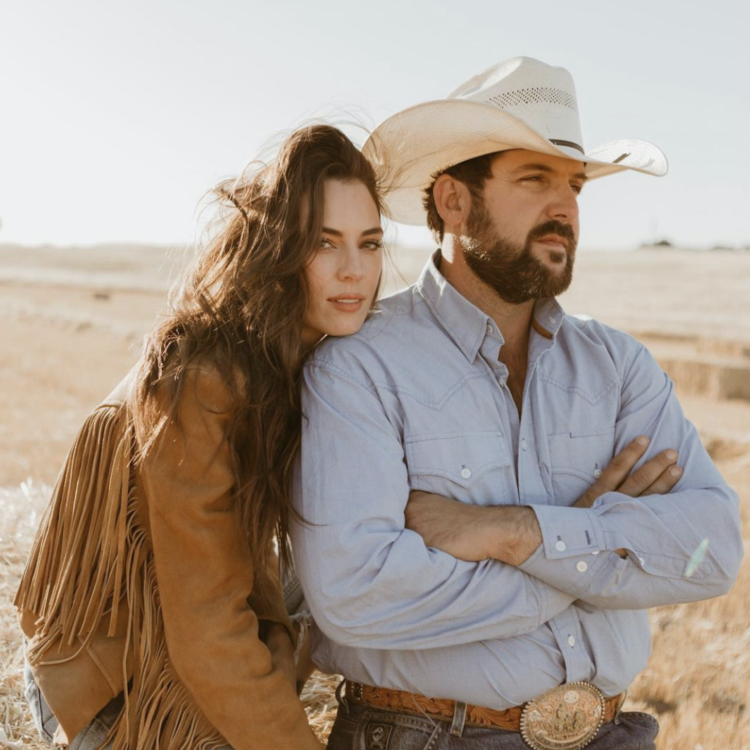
[[473, 173]]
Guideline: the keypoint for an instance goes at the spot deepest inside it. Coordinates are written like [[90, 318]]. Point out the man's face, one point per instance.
[[521, 238]]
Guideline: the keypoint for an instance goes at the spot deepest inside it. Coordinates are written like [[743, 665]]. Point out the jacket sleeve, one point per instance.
[[204, 573], [681, 547]]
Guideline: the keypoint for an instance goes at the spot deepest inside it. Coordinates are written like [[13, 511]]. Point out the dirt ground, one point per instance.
[[69, 334]]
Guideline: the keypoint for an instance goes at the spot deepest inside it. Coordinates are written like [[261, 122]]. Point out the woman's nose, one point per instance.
[[351, 267]]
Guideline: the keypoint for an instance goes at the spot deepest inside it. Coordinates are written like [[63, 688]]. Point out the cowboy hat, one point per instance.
[[518, 103]]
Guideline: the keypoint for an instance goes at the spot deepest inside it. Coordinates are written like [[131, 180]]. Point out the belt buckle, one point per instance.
[[564, 718]]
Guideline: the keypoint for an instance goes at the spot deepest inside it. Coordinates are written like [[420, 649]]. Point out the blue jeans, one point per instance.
[[359, 727]]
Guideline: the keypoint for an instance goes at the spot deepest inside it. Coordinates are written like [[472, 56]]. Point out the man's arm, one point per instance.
[[663, 535], [510, 533], [615, 550], [369, 581]]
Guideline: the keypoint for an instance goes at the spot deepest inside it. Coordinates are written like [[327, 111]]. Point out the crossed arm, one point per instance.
[[368, 580], [510, 534], [675, 531], [371, 581]]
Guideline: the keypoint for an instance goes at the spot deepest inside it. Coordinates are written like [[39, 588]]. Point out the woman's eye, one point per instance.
[[325, 243], [373, 245]]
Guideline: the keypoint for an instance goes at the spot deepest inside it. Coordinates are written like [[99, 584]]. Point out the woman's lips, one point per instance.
[[347, 302]]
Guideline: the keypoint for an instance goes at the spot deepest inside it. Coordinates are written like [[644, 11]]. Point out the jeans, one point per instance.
[[359, 727]]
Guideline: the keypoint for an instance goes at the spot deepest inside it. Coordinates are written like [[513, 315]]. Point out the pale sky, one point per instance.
[[117, 117]]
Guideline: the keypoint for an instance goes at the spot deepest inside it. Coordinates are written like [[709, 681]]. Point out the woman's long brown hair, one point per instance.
[[240, 308]]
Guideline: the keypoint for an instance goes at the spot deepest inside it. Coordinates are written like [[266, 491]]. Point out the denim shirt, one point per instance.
[[418, 400]]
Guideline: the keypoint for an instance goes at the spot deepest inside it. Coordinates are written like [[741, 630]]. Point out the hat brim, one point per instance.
[[410, 147]]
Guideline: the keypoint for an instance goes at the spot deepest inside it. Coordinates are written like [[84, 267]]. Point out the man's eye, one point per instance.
[[577, 189]]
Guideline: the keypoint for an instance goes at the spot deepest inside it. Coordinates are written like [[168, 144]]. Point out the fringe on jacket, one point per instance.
[[91, 557]]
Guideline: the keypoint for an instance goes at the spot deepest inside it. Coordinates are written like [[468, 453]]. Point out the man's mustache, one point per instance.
[[565, 231]]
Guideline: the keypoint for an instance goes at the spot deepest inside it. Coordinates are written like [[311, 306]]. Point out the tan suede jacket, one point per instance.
[[140, 580]]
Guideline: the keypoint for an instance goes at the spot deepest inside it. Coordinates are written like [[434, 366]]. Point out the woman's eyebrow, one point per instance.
[[337, 233]]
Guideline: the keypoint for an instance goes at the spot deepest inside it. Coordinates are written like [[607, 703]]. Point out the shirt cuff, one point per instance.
[[568, 557], [567, 532]]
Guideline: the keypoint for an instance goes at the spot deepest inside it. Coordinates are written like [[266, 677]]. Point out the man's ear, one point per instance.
[[452, 201]]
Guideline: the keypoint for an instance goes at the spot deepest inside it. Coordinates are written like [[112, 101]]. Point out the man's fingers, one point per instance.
[[615, 473], [664, 484], [640, 481], [620, 466]]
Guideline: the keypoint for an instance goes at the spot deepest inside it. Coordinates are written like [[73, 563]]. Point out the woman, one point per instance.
[[151, 600]]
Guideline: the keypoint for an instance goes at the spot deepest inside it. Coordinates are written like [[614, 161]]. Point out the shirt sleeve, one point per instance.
[[681, 547], [204, 572], [369, 581]]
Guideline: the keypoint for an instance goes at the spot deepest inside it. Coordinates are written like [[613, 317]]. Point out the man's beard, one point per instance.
[[515, 274]]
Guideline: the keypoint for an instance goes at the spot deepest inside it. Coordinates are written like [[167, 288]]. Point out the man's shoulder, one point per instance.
[[588, 330], [589, 342]]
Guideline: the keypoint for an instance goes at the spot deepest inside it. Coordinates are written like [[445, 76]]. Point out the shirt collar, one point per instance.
[[466, 323]]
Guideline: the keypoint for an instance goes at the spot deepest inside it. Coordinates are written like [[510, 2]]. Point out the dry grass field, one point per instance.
[[71, 323]]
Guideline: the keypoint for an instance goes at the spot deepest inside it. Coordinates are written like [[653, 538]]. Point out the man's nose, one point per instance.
[[564, 204]]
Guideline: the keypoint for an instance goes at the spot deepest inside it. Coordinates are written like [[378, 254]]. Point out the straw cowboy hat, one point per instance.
[[518, 103]]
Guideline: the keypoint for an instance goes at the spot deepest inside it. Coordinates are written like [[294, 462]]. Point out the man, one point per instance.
[[517, 618]]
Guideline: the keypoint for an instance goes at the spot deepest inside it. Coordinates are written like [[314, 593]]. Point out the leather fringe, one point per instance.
[[91, 557]]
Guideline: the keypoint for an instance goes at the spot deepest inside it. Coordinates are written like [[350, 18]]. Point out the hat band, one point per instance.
[[570, 144]]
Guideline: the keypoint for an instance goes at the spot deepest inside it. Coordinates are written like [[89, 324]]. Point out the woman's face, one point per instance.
[[343, 276]]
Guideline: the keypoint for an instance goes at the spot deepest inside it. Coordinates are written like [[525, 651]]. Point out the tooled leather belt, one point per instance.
[[568, 716]]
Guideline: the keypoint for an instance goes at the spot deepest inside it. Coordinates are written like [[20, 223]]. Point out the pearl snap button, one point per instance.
[[641, 561], [597, 473], [524, 444], [571, 641], [560, 546], [465, 473], [582, 567], [490, 329]]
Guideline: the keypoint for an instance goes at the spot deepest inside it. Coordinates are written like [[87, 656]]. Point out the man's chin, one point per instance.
[[555, 281]]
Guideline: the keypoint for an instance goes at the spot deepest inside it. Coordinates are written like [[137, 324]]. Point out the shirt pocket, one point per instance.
[[468, 466], [577, 458]]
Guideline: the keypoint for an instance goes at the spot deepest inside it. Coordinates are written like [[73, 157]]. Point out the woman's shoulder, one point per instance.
[[216, 388]]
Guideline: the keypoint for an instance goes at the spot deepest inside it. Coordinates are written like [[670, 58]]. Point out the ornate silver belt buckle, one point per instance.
[[564, 718]]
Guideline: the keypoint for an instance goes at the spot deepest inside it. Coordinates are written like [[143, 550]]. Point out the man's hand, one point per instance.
[[466, 532], [510, 533], [655, 477]]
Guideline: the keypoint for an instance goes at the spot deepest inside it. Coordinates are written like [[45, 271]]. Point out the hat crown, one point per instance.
[[542, 96]]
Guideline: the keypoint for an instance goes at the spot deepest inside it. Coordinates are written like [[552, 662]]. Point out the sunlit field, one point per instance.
[[69, 335]]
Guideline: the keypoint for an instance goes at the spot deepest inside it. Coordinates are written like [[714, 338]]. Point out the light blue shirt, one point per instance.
[[418, 400]]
